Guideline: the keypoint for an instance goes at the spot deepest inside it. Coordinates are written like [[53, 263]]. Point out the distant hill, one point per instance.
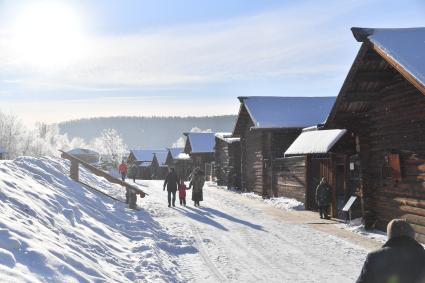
[[146, 132]]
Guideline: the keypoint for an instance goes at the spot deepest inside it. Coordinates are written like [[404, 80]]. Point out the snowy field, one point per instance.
[[54, 230]]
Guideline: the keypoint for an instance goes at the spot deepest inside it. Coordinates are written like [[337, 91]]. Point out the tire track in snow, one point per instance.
[[204, 254]]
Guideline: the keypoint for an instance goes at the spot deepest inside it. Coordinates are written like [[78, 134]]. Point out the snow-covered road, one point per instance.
[[245, 240]]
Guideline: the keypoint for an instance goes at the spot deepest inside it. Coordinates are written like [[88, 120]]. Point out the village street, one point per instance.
[[246, 240]]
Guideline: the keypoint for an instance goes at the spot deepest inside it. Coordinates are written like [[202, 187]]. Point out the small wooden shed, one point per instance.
[[267, 126], [200, 147], [227, 160], [382, 101], [323, 153]]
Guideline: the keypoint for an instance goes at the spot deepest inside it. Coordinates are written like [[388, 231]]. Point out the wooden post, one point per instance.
[[74, 170], [308, 196]]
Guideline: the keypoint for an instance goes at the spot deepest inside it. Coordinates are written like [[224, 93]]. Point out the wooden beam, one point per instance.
[[371, 55], [74, 160], [361, 96], [374, 76], [400, 69]]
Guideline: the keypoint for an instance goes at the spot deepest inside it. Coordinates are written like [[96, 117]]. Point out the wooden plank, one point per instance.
[[413, 210], [410, 202], [361, 96], [400, 69], [414, 219], [374, 76]]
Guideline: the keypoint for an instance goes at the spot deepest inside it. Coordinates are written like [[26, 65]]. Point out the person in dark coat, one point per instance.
[[133, 172], [323, 198], [400, 260], [172, 183], [197, 182]]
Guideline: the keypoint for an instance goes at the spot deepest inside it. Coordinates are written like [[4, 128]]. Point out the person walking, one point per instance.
[[197, 182], [323, 198], [122, 169], [182, 193], [401, 259], [171, 182], [133, 172]]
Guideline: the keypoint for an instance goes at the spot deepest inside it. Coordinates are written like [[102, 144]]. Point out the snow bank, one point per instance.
[[280, 202], [357, 227], [54, 230]]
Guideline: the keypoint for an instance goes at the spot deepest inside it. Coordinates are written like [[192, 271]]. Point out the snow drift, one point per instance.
[[52, 229]]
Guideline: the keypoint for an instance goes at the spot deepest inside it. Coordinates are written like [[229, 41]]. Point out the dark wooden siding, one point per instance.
[[275, 144], [253, 165], [235, 165], [397, 125], [222, 165], [290, 177]]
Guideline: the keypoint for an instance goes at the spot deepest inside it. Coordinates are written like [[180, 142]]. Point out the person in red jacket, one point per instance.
[[123, 170], [182, 193]]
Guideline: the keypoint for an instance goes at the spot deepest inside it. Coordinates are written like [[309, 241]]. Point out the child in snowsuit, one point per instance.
[[182, 193]]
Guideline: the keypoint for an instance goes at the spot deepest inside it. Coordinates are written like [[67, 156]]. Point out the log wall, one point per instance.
[[290, 177], [222, 162], [235, 165], [397, 125], [253, 163]]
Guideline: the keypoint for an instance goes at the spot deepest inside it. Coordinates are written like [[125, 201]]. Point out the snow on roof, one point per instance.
[[146, 164], [311, 142], [82, 151], [406, 46], [161, 156], [145, 154], [175, 151], [227, 137], [287, 112], [201, 142], [182, 156]]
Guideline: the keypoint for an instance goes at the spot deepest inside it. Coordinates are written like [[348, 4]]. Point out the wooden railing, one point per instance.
[[74, 173]]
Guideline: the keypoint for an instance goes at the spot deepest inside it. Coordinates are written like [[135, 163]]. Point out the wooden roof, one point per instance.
[[371, 76]]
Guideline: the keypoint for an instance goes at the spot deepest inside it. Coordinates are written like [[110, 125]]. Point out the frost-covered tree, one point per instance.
[[111, 145], [10, 134]]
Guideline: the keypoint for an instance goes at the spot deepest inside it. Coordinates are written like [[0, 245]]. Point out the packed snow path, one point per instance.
[[53, 229], [245, 240]]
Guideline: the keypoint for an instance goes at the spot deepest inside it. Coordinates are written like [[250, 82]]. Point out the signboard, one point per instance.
[[349, 203]]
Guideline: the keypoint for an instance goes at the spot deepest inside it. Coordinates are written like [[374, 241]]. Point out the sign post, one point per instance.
[[347, 207]]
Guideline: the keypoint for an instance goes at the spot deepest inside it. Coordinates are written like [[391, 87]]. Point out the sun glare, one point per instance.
[[48, 35]]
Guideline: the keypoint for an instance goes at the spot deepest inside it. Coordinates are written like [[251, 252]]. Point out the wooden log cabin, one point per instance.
[[320, 153], [267, 126], [382, 101], [180, 161], [227, 160], [147, 162], [162, 169], [200, 147]]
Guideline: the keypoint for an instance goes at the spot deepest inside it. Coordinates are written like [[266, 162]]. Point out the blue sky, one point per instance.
[[63, 60]]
